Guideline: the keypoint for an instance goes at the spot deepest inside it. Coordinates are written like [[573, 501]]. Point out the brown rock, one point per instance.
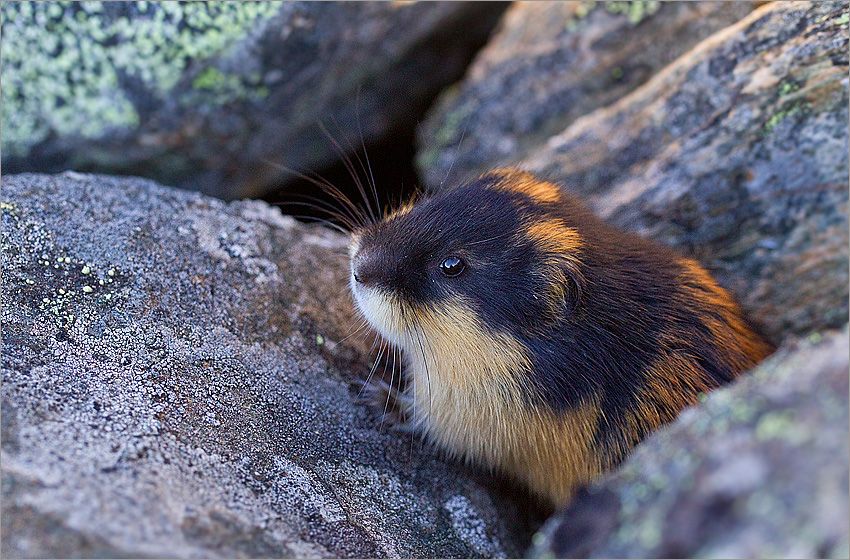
[[550, 63], [737, 154], [175, 384]]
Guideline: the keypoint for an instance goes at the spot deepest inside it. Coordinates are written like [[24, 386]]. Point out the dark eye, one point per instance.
[[452, 266]]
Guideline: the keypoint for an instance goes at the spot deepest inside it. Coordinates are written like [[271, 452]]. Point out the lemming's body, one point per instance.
[[539, 340]]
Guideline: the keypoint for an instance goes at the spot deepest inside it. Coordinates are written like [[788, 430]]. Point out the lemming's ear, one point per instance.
[[565, 285], [560, 248]]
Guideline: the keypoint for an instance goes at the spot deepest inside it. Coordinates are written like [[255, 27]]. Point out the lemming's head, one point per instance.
[[496, 254]]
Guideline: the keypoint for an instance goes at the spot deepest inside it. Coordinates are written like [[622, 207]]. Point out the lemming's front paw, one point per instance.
[[392, 404]]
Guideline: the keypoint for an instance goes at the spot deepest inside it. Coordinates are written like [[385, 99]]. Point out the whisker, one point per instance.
[[356, 155], [419, 335], [366, 171], [326, 186], [492, 238], [389, 392], [365, 152], [381, 350], [340, 210], [412, 436], [323, 222], [345, 208], [316, 205], [360, 328], [457, 151], [310, 205], [352, 171]]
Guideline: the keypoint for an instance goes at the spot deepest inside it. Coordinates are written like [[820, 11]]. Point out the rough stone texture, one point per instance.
[[738, 155], [174, 384], [550, 63], [759, 470], [202, 95]]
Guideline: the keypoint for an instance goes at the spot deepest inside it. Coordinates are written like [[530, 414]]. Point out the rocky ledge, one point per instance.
[[759, 470], [174, 384]]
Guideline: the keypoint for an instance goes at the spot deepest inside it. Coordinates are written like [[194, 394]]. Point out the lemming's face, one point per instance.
[[482, 251]]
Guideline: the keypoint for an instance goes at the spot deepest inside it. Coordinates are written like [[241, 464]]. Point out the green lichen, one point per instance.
[[449, 134], [741, 411], [64, 63], [790, 105], [584, 8], [650, 532], [780, 116], [635, 10], [581, 11], [787, 87], [210, 78], [427, 158], [452, 125], [59, 301], [223, 88], [780, 425]]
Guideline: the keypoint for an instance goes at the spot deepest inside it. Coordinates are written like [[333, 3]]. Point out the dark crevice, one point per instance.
[[391, 158], [392, 165]]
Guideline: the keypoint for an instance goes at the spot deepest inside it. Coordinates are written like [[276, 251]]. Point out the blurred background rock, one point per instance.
[[210, 95], [201, 398]]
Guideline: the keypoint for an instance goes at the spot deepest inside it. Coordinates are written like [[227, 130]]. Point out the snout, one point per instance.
[[372, 277], [369, 269]]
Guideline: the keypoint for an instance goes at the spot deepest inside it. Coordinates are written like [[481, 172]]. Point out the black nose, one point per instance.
[[369, 268]]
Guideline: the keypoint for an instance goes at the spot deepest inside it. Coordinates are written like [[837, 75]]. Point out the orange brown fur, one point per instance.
[[727, 326], [516, 180]]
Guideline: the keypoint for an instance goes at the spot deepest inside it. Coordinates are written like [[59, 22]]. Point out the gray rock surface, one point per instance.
[[759, 470], [174, 384], [737, 154], [201, 95], [550, 63]]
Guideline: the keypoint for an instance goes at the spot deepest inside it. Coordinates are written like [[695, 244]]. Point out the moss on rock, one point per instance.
[[64, 62]]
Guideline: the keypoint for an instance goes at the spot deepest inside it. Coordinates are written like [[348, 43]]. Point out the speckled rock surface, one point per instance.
[[202, 94], [759, 470], [550, 63], [173, 384], [737, 154]]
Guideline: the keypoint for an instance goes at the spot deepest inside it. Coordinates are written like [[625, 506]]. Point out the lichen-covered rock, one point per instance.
[[550, 63], [738, 155], [174, 383], [202, 94], [759, 470]]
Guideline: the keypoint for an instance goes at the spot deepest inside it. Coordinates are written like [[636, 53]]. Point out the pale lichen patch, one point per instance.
[[65, 63]]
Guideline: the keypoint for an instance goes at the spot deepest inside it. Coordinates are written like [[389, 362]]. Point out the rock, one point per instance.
[[174, 384], [737, 154], [205, 95], [550, 63], [759, 470]]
